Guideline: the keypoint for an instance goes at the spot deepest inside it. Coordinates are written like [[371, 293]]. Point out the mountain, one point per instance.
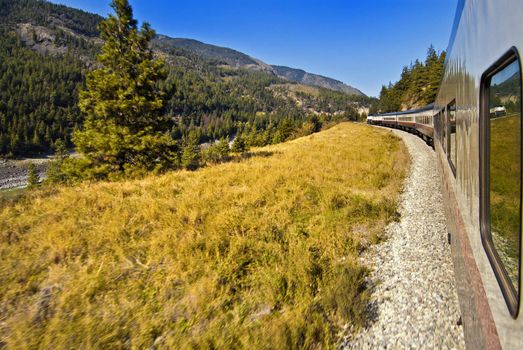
[[302, 77], [222, 55], [46, 50], [46, 17], [238, 59]]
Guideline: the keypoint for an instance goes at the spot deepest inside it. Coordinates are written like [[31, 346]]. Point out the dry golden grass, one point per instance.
[[260, 253], [10, 196]]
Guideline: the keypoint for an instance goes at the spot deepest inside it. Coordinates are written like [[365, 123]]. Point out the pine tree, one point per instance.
[[191, 153], [217, 152], [33, 178], [60, 150], [223, 148], [418, 86], [239, 145], [124, 127]]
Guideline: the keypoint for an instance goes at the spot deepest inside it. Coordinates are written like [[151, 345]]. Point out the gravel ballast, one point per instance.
[[414, 303]]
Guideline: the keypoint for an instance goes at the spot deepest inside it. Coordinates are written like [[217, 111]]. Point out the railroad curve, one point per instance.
[[414, 303]]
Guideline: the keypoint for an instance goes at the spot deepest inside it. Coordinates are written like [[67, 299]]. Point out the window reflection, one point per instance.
[[451, 113], [505, 167], [443, 118]]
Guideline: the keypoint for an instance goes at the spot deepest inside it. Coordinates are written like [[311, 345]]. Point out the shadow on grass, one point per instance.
[[237, 158], [11, 197], [257, 154]]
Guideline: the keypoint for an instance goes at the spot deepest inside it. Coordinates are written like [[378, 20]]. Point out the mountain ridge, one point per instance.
[[50, 13], [304, 77], [237, 59]]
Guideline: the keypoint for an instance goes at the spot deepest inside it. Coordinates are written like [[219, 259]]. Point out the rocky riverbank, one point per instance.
[[14, 173]]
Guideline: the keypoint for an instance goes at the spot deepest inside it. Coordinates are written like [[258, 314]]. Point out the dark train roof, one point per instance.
[[410, 111]]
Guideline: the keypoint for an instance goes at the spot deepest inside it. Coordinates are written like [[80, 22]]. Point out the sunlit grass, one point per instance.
[[257, 254], [505, 168]]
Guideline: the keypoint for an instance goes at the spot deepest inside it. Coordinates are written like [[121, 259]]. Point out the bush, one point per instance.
[[240, 144], [191, 153], [218, 152], [33, 178]]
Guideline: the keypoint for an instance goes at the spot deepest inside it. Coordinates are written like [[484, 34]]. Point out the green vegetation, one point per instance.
[[11, 196], [44, 68], [218, 152], [259, 253], [505, 167], [39, 93], [33, 178], [239, 145], [38, 97], [191, 153], [124, 129], [418, 86], [507, 94]]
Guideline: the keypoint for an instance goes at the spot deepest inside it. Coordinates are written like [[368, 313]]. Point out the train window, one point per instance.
[[437, 125], [440, 128], [443, 118], [451, 132], [501, 174]]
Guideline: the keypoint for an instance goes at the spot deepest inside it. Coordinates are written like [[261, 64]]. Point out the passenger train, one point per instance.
[[476, 131]]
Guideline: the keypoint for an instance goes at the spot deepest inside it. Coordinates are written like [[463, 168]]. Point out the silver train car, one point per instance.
[[416, 121], [477, 117], [477, 136]]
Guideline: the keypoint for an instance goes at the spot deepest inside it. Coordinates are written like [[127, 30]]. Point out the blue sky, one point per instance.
[[361, 42]]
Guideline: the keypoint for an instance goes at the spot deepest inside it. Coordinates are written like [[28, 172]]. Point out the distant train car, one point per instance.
[[478, 144], [475, 125], [417, 121]]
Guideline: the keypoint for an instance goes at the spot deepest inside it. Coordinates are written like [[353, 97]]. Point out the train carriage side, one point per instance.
[[478, 142], [424, 122], [417, 121], [389, 120]]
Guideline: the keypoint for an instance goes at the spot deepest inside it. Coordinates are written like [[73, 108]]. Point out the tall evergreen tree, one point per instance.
[[124, 126], [33, 178], [191, 152]]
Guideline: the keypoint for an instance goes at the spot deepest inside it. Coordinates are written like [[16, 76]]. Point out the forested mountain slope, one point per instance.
[[417, 87], [237, 59], [303, 77], [46, 49]]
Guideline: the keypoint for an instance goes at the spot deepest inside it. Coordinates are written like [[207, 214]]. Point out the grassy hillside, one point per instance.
[[259, 253]]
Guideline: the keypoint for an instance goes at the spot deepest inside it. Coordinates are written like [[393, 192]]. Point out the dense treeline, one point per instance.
[[418, 86], [215, 102], [39, 93], [330, 101], [38, 97]]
